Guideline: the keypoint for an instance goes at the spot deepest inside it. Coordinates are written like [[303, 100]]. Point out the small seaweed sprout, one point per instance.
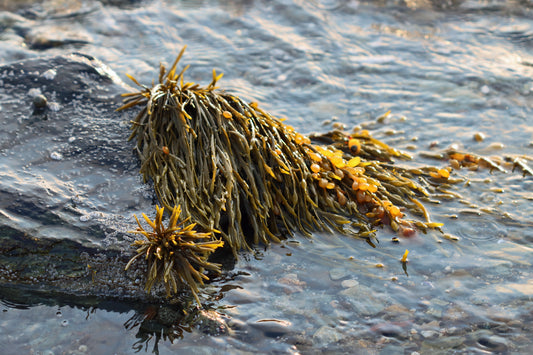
[[176, 254]]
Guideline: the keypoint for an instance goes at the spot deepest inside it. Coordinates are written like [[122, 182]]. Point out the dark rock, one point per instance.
[[494, 343], [70, 182], [40, 102], [390, 330]]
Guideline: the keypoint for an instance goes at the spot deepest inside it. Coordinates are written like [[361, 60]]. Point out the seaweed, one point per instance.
[[245, 176], [176, 254]]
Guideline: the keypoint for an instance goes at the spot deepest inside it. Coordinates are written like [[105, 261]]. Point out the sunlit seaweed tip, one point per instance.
[[176, 254]]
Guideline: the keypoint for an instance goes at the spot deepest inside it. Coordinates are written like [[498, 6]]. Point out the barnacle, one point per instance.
[[176, 254]]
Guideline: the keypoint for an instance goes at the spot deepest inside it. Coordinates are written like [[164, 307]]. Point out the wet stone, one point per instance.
[[392, 349], [349, 283], [429, 333], [437, 313], [443, 343], [326, 335], [338, 273], [363, 300], [168, 315], [40, 102], [494, 343], [390, 330], [273, 328], [211, 323]]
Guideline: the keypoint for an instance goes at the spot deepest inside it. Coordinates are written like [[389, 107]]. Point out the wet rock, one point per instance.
[[392, 349], [169, 315], [50, 179], [429, 333], [338, 273], [364, 300], [242, 296], [397, 312], [273, 328], [443, 343], [389, 330], [40, 102], [494, 343], [454, 313], [349, 283], [211, 322], [46, 40], [291, 283], [326, 335]]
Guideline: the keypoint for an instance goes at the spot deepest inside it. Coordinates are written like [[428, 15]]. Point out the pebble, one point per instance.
[[50, 74], [168, 315], [56, 156], [392, 349], [364, 300], [495, 146], [494, 343], [349, 283], [326, 335], [273, 328], [40, 102], [447, 343], [389, 330], [241, 296], [429, 333], [338, 273]]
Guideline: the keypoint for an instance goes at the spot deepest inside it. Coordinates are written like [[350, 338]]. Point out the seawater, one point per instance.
[[445, 69]]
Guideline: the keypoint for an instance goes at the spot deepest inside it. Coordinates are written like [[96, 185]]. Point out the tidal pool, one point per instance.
[[452, 73]]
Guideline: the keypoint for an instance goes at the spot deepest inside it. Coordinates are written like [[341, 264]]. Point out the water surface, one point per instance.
[[445, 71]]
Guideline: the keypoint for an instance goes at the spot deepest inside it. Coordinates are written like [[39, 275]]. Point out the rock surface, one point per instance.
[[69, 180]]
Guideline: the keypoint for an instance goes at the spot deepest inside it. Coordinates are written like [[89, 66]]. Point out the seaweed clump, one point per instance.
[[176, 254], [243, 174]]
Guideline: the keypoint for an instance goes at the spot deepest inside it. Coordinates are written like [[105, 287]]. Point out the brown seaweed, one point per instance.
[[239, 172], [176, 254]]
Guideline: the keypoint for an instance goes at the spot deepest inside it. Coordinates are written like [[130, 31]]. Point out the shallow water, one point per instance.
[[446, 72]]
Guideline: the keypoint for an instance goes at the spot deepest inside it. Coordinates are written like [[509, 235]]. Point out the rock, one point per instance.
[[390, 330], [392, 349], [364, 300], [211, 322], [272, 328], [349, 283], [64, 154], [443, 343], [169, 315], [40, 102], [429, 333], [494, 343], [338, 273], [326, 335]]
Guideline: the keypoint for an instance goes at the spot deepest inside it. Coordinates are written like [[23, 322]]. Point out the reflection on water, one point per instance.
[[447, 70]]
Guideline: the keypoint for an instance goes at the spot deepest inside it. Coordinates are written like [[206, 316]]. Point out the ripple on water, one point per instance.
[[479, 228]]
